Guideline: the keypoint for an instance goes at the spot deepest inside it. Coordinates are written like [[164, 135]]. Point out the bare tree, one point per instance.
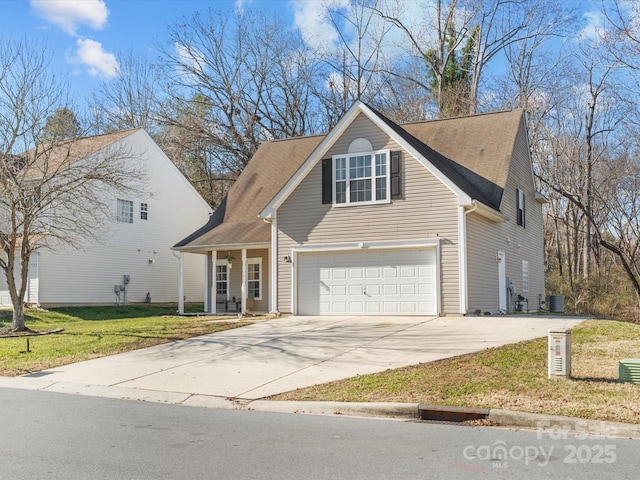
[[252, 73], [479, 29], [129, 100], [433, 41], [355, 67], [49, 192]]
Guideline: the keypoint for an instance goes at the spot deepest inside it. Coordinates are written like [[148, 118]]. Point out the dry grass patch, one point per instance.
[[511, 377]]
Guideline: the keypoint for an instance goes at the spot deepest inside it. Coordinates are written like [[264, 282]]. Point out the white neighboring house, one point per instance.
[[136, 242]]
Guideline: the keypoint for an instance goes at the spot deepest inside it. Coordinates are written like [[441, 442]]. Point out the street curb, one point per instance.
[[405, 411], [555, 426], [559, 426]]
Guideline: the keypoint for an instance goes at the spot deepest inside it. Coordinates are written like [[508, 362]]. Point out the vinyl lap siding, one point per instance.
[[427, 211], [485, 239], [69, 276]]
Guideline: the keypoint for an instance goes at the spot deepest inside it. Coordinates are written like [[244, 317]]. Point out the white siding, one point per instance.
[[87, 276]]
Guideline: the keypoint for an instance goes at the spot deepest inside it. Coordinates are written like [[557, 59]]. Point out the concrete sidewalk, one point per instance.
[[279, 355]]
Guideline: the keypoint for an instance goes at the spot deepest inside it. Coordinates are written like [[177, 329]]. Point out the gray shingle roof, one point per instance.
[[273, 164], [474, 152]]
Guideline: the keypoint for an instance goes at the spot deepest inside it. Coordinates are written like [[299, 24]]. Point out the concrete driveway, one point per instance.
[[280, 355]]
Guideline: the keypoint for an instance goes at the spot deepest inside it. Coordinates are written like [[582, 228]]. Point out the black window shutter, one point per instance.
[[396, 175], [327, 180]]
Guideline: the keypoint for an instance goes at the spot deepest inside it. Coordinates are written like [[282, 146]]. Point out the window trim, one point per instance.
[[373, 177], [120, 213], [255, 261], [144, 211]]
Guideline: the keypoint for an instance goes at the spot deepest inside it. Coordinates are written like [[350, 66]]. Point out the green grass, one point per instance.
[[512, 377], [91, 332]]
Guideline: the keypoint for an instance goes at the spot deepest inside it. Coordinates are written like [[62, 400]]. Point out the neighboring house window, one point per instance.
[[125, 211], [521, 213], [254, 278], [361, 178], [525, 276], [144, 211], [222, 279]]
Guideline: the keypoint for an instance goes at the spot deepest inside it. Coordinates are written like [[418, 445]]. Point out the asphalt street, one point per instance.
[[57, 436]]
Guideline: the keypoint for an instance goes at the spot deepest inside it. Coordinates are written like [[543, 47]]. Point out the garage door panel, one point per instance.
[[355, 290], [389, 272], [408, 272], [373, 307], [375, 282], [372, 273], [356, 273], [339, 290], [338, 274], [408, 289], [389, 289], [356, 307], [373, 289], [408, 307]]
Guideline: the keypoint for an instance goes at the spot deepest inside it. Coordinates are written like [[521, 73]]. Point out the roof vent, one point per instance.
[[360, 145]]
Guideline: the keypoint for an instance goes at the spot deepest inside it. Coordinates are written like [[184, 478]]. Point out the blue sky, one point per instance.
[[87, 37]]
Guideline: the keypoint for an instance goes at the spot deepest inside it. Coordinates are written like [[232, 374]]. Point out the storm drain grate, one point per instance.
[[451, 414]]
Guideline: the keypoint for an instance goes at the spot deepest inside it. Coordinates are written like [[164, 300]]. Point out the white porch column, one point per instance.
[[181, 283], [243, 288], [273, 268], [212, 284]]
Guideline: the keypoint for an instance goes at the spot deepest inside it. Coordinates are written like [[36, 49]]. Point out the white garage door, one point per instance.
[[368, 282]]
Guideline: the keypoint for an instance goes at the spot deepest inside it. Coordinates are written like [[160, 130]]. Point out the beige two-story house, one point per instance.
[[428, 218]]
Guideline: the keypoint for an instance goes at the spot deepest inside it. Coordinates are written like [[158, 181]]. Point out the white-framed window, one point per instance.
[[124, 212], [144, 211], [361, 178], [222, 278], [254, 278], [521, 208], [525, 276]]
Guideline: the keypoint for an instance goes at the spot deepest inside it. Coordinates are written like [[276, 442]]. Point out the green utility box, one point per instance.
[[629, 370]]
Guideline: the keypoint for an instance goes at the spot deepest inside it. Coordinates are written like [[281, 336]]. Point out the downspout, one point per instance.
[[180, 257], [464, 291]]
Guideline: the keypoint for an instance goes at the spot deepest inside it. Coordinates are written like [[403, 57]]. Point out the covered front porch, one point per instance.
[[236, 279]]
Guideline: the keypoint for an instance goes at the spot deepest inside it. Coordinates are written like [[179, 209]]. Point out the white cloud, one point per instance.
[[239, 5], [310, 17], [69, 15], [99, 62], [594, 27]]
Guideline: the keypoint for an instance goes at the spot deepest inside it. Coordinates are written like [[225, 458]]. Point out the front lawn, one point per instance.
[[91, 332]]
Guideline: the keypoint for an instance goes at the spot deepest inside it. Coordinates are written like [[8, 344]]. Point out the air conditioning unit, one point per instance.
[[559, 353]]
